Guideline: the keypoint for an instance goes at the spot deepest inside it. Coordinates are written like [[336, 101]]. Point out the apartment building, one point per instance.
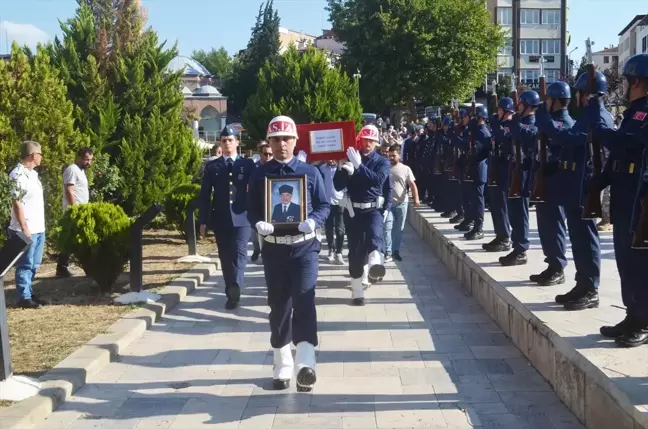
[[631, 39], [534, 28], [607, 58]]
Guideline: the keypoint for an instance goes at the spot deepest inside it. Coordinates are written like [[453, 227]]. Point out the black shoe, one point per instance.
[[514, 258], [618, 330], [280, 384], [497, 245], [573, 294], [397, 256], [306, 379], [255, 256], [474, 234], [552, 278], [448, 215], [464, 226], [358, 302], [37, 300], [457, 219], [637, 336], [588, 298], [28, 304], [535, 278], [63, 272], [233, 297]]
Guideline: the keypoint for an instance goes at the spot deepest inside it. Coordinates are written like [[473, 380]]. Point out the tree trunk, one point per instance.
[[411, 106]]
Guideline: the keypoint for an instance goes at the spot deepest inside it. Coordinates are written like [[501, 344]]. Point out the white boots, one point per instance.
[[376, 267], [305, 362], [357, 292], [365, 277], [283, 367]]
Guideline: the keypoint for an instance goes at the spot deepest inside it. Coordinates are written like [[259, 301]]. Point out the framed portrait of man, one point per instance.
[[285, 200]]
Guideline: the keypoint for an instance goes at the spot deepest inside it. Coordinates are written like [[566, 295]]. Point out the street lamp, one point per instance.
[[358, 76], [569, 61]]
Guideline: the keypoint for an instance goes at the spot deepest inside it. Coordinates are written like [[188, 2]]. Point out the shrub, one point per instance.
[[7, 187], [105, 180], [176, 203], [97, 234]]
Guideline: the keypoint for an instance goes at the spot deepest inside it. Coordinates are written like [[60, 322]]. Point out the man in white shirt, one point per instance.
[[28, 216], [75, 191]]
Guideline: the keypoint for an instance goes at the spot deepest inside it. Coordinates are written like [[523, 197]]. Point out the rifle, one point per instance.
[[539, 192], [515, 190], [469, 174], [592, 208], [640, 236], [492, 162]]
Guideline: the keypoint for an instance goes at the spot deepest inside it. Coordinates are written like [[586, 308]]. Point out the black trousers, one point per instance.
[[335, 229]]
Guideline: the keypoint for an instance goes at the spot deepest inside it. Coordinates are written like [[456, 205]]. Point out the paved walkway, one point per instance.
[[419, 354]]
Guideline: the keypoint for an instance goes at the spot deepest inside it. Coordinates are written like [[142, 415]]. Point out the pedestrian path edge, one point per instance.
[[586, 390], [59, 383]]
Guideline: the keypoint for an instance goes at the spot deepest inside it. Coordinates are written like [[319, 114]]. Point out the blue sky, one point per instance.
[[201, 24]]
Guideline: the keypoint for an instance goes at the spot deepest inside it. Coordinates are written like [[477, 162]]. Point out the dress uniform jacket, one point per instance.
[[525, 130], [501, 131], [482, 151], [367, 182]]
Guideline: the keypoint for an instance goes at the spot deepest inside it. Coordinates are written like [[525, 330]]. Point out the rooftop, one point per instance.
[[634, 20]]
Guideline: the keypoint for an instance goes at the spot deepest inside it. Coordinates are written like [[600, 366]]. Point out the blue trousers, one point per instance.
[[442, 191], [476, 203], [232, 252], [364, 235], [586, 247], [552, 231], [291, 275], [28, 264], [499, 212], [466, 200], [455, 197], [518, 209]]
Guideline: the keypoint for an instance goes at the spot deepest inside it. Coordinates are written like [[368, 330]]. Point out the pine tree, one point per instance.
[[34, 106], [263, 46], [305, 87]]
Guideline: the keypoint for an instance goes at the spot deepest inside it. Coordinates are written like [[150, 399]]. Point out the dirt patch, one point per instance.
[[40, 339]]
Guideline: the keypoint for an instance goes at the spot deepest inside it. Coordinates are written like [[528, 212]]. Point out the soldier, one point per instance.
[[428, 160], [225, 211], [462, 135], [523, 128], [623, 174], [501, 123], [478, 168], [550, 214], [290, 259], [421, 167], [364, 178], [444, 146]]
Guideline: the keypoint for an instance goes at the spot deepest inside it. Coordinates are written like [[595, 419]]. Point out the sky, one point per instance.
[[202, 24]]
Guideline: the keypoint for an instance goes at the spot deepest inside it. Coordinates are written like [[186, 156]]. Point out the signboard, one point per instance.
[[327, 140]]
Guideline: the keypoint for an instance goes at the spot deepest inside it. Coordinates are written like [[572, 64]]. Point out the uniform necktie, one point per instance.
[[284, 209]]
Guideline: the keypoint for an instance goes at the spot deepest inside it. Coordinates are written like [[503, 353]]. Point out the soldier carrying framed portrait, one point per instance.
[[286, 203]]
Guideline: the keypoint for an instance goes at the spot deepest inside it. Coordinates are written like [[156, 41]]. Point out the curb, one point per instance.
[[586, 390], [62, 381]]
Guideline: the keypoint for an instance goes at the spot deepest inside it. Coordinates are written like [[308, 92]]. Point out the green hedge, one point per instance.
[[97, 234], [176, 203]]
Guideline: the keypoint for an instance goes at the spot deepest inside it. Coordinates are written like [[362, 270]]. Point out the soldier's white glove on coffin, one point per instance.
[[264, 228], [307, 226], [354, 157], [301, 156], [348, 167]]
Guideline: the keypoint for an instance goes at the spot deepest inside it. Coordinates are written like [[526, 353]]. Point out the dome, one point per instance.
[[187, 66], [207, 90], [186, 91]]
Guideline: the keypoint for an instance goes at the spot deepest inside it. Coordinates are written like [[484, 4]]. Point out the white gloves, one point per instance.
[[301, 156], [348, 167], [256, 157], [264, 228], [385, 216], [354, 157], [306, 226]]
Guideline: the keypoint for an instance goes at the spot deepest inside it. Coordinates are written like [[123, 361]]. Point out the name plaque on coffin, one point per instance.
[[327, 140]]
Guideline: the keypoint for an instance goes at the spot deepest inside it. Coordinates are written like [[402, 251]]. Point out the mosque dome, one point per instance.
[[187, 66], [207, 90], [186, 91]]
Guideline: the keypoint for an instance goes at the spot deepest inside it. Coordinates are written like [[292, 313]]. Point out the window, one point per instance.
[[551, 47], [615, 58], [504, 16], [606, 60], [530, 16], [644, 44], [529, 47], [529, 76], [551, 17], [507, 49], [552, 76]]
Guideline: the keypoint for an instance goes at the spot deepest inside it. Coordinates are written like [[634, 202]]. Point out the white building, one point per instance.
[[534, 28], [606, 58], [642, 37], [630, 43]]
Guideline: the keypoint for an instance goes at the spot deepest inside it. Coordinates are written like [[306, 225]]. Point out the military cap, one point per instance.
[[286, 189], [229, 131]]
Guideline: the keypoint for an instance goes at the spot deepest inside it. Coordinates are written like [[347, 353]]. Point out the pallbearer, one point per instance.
[[364, 177], [223, 208], [290, 259]]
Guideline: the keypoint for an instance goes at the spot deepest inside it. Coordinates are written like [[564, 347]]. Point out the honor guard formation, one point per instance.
[[529, 152]]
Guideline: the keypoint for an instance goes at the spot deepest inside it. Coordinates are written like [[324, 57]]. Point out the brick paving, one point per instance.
[[420, 354]]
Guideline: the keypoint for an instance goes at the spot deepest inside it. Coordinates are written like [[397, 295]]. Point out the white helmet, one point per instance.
[[369, 132], [282, 126]]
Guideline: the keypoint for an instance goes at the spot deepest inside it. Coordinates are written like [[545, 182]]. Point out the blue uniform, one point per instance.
[[443, 145], [462, 202], [479, 167], [364, 230], [223, 206], [499, 192], [290, 269], [525, 130], [623, 173]]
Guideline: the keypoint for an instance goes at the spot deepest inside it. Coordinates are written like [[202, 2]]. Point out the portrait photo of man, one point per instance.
[[286, 209]]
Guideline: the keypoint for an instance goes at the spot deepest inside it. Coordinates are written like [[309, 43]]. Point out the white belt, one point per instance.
[[364, 205], [289, 239]]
